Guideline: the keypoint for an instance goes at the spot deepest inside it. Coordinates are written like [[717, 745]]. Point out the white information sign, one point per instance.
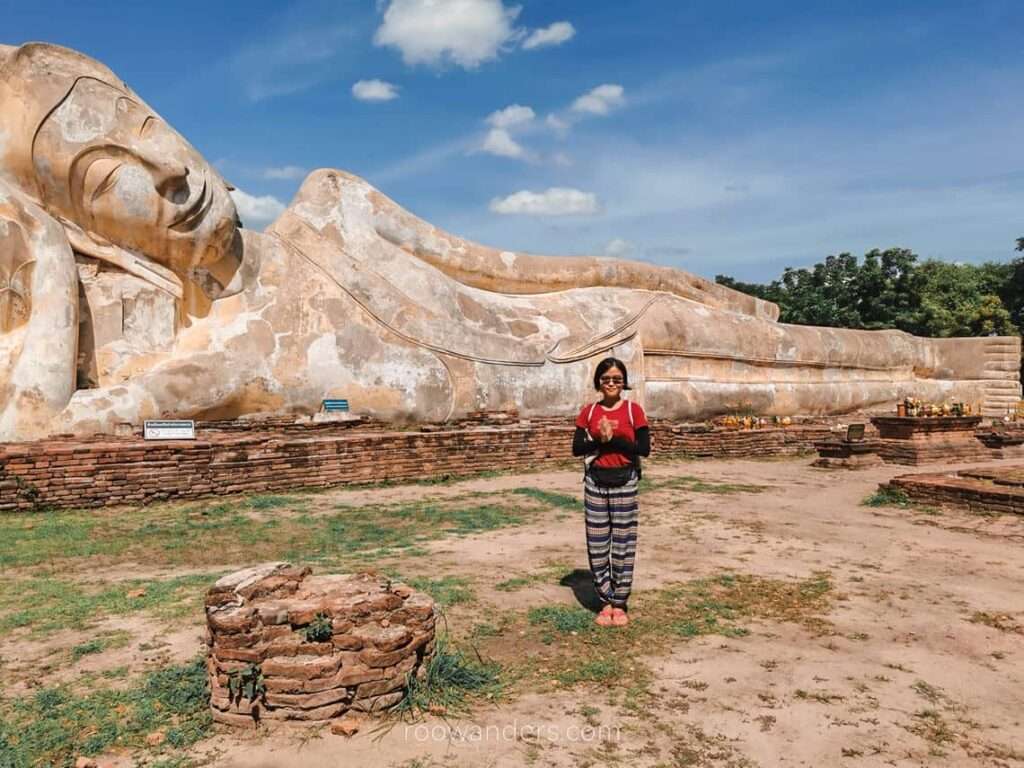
[[170, 430]]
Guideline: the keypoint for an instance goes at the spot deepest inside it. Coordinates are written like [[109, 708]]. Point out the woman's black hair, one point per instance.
[[604, 365]]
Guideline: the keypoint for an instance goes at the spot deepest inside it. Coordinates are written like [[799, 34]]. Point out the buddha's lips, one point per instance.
[[195, 212]]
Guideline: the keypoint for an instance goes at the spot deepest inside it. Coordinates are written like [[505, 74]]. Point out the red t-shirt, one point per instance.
[[621, 427]]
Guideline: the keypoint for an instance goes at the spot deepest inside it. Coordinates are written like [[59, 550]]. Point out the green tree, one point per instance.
[[759, 290], [825, 294], [884, 294], [991, 318], [956, 300], [892, 289]]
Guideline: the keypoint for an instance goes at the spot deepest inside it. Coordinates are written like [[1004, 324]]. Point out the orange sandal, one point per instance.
[[619, 617], [605, 617]]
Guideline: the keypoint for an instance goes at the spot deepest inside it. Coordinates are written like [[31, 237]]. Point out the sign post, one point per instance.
[[169, 430]]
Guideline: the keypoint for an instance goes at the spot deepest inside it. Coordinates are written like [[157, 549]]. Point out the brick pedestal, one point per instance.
[[286, 645], [917, 440], [847, 454]]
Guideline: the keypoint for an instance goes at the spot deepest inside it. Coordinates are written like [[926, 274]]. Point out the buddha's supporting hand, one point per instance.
[[38, 318], [177, 389]]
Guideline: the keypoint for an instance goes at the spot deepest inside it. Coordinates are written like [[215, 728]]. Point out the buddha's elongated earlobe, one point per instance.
[[230, 274]]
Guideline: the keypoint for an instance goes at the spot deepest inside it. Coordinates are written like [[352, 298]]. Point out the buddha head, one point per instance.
[[76, 139]]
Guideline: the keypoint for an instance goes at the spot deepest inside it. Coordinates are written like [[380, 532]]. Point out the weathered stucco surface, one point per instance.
[[129, 292]]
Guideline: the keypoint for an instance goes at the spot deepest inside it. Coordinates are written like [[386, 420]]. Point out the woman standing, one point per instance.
[[613, 434]]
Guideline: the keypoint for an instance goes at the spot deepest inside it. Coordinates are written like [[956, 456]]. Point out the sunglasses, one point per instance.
[[610, 379]]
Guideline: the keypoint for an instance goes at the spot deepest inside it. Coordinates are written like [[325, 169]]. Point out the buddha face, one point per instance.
[[106, 161]]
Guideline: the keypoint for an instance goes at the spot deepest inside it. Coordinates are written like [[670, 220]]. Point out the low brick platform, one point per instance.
[[997, 489], [252, 458], [847, 454], [286, 645], [914, 441]]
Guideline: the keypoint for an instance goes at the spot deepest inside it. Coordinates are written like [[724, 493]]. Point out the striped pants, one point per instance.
[[611, 515]]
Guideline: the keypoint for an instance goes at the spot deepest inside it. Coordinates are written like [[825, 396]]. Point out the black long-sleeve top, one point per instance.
[[583, 445]]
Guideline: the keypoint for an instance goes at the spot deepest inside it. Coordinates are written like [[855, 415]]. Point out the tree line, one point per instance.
[[895, 289]]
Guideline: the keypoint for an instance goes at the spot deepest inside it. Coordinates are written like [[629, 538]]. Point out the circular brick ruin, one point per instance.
[[286, 645]]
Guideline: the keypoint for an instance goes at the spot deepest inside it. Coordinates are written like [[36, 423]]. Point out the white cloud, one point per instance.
[[601, 100], [374, 90], [499, 142], [464, 32], [556, 34], [285, 173], [619, 248], [511, 116], [556, 201], [558, 125], [257, 211]]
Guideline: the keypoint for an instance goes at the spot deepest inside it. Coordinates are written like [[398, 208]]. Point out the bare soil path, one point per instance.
[[912, 656]]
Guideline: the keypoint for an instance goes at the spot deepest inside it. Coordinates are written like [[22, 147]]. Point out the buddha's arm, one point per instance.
[[38, 318], [213, 365], [177, 388], [364, 207]]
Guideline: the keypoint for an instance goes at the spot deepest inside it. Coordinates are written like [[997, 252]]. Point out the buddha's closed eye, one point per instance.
[[107, 183]]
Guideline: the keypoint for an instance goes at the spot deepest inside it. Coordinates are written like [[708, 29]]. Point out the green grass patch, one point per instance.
[[56, 725], [450, 682], [248, 530], [593, 671], [100, 644], [887, 496], [696, 485], [446, 591], [552, 498], [355, 532], [444, 478], [515, 583], [485, 629], [707, 615], [50, 604], [41, 537], [562, 618], [273, 502], [723, 605]]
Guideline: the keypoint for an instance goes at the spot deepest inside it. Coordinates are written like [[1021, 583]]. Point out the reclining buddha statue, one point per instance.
[[129, 291]]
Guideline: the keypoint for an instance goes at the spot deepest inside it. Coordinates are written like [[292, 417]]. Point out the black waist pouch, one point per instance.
[[611, 477]]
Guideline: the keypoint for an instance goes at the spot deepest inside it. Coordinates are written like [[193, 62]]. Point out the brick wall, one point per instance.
[[108, 471], [962, 491]]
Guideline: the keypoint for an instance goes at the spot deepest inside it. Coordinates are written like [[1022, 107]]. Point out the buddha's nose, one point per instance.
[[171, 179], [170, 176]]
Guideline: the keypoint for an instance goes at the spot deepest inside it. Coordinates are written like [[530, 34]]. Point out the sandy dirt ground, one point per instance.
[[907, 675], [904, 679]]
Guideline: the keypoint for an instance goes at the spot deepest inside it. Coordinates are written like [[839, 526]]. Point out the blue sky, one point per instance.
[[734, 138]]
